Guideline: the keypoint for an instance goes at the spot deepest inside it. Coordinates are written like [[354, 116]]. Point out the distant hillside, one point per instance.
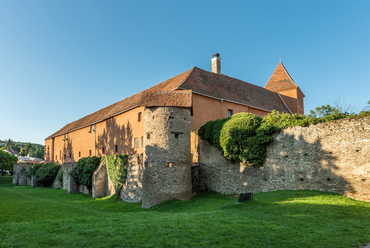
[[24, 148]]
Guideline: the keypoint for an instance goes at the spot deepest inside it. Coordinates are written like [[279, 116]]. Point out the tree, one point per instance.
[[7, 160]]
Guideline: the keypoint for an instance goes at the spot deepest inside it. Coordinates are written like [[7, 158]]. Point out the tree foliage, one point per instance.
[[24, 149], [7, 160]]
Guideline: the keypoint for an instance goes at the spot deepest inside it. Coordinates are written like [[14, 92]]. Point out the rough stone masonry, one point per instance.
[[332, 156]]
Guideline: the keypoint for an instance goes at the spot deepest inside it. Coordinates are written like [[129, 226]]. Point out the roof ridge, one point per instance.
[[187, 76], [209, 72], [288, 73]]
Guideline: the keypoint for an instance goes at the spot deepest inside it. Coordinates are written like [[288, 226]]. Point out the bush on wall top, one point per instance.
[[245, 136]]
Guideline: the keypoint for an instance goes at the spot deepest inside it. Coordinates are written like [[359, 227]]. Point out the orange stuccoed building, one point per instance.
[[119, 128]]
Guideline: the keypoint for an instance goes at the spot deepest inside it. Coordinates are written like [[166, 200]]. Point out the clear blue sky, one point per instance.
[[62, 60]]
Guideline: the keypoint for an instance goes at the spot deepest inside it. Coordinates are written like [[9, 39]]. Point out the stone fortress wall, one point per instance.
[[332, 156]]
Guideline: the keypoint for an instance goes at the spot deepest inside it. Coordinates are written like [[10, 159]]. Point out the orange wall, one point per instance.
[[293, 98], [207, 109], [120, 130]]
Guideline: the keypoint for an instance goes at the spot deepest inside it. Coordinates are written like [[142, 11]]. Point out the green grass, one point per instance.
[[43, 217]]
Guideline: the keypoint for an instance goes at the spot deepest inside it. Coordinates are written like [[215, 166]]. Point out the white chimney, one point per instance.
[[216, 63]]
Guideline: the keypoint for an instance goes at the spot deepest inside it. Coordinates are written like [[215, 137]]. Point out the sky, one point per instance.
[[62, 60]]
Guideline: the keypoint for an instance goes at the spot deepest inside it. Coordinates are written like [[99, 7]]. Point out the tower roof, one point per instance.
[[280, 79]]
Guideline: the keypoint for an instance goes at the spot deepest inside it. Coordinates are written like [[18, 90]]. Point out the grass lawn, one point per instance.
[[43, 217]]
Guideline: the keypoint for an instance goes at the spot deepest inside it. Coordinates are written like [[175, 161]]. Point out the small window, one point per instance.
[[56, 157], [66, 136], [177, 135], [136, 143], [171, 164], [103, 150], [229, 112], [139, 117], [65, 156], [70, 155], [148, 136], [90, 153], [79, 154], [142, 141], [116, 148], [60, 153]]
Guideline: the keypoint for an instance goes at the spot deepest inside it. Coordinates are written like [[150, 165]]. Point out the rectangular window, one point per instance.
[[229, 112], [56, 157], [116, 148], [136, 143], [90, 153], [65, 156], [139, 117], [142, 141], [79, 154], [70, 155], [148, 136], [103, 150]]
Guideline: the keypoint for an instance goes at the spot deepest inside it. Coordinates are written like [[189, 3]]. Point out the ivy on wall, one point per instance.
[[117, 171]]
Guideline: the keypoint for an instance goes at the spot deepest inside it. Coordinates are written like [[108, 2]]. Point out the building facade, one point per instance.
[[119, 128]]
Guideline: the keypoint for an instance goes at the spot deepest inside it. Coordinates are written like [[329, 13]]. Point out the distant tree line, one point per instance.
[[24, 148]]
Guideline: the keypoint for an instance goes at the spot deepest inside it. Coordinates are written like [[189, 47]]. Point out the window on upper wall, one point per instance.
[[60, 153], [116, 148], [90, 153], [56, 157], [136, 143], [229, 112], [79, 154], [103, 150], [148, 136], [139, 117], [70, 155]]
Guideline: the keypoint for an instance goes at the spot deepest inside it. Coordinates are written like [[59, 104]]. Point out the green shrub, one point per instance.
[[46, 173], [60, 177], [117, 172], [239, 140], [245, 136], [211, 132], [30, 172], [85, 170]]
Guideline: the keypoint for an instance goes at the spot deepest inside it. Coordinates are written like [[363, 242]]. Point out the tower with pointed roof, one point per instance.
[[282, 83]]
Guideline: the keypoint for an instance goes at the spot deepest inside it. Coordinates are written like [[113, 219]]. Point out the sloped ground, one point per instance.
[[40, 217]]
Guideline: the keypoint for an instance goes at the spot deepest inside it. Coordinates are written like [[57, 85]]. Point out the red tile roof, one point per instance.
[[167, 99], [280, 79], [196, 81]]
